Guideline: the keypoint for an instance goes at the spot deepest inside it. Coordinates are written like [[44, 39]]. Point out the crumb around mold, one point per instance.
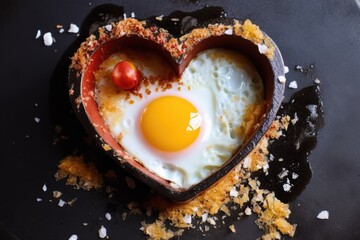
[[176, 47], [236, 188]]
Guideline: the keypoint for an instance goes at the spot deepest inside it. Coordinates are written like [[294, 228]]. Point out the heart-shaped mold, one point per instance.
[[129, 33]]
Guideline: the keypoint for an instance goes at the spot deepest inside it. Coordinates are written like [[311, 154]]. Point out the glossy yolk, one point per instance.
[[170, 123]]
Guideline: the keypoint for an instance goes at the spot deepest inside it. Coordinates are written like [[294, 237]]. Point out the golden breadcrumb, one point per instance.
[[232, 228], [252, 32], [79, 174], [157, 231], [250, 119]]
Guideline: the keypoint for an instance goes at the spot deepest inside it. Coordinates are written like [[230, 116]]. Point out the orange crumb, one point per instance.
[[79, 173]]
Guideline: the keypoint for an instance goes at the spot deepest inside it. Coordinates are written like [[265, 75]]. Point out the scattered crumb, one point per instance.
[[211, 221], [323, 215], [44, 187], [73, 28], [38, 199], [79, 173], [61, 30], [106, 147], [159, 18], [132, 15], [37, 120], [85, 224], [317, 81], [281, 79], [157, 230], [293, 85], [273, 218], [48, 39], [108, 216], [71, 202], [73, 237], [57, 194], [102, 232], [38, 34], [232, 228]]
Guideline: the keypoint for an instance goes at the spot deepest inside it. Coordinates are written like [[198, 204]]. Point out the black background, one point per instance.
[[320, 32]]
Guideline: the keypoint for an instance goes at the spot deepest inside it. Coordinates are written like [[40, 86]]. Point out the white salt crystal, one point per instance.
[[295, 176], [233, 192], [286, 69], [48, 39], [187, 219], [204, 216], [247, 162], [262, 48], [324, 215], [282, 79], [229, 31], [61, 203], [38, 34], [73, 237], [248, 211], [108, 216], [73, 28], [102, 232], [108, 27], [286, 187], [293, 85]]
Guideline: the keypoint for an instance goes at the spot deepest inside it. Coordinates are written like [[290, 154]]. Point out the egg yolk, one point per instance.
[[170, 123]]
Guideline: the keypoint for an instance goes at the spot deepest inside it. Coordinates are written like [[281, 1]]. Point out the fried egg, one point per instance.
[[180, 129]]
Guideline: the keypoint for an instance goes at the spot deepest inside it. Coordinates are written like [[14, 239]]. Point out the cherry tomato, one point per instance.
[[125, 75]]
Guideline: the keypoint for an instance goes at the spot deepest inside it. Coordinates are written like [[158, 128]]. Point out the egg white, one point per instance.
[[220, 83]]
